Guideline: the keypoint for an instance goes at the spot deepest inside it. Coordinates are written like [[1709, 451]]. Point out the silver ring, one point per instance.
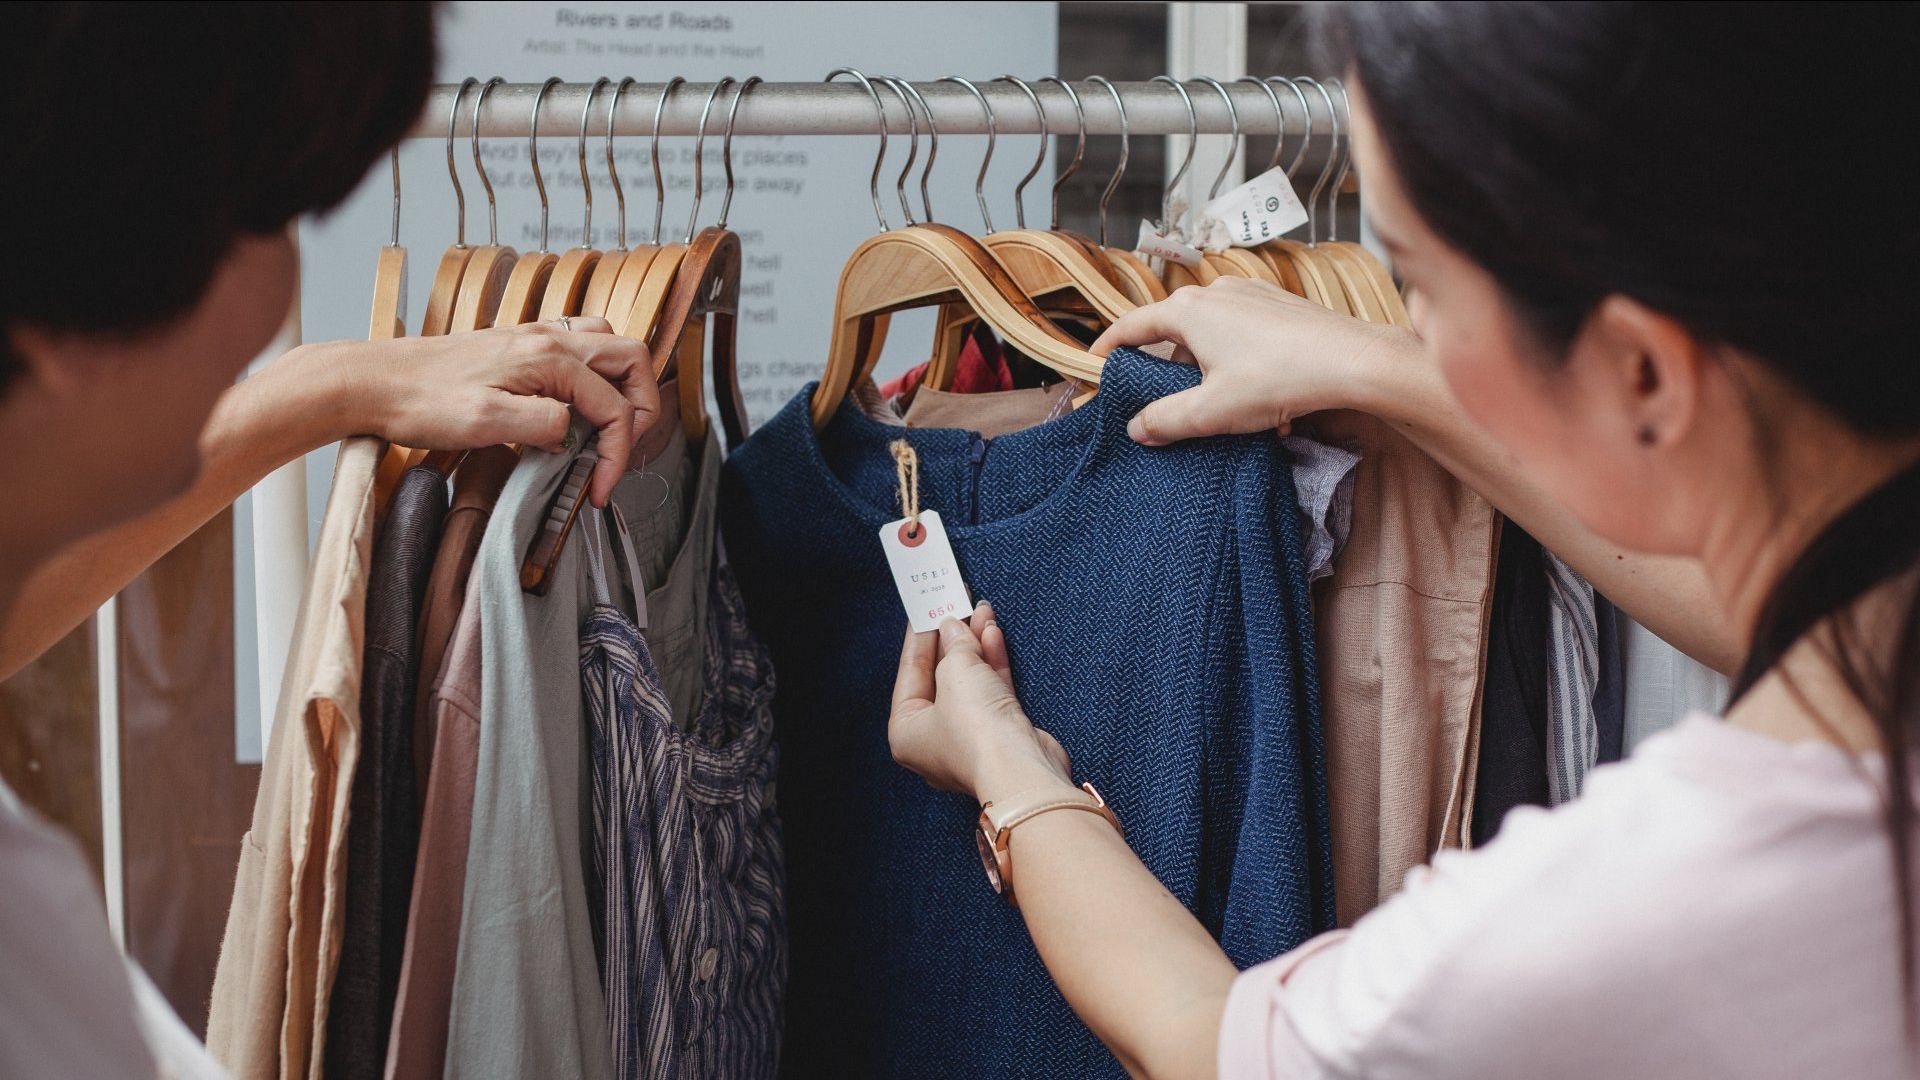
[[566, 323]]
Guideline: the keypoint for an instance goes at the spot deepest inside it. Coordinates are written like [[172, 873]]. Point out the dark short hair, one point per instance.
[[167, 131]]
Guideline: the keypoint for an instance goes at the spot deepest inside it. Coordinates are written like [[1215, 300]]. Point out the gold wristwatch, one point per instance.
[[998, 819]]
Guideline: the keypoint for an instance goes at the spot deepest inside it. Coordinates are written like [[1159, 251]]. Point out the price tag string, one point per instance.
[[906, 462]]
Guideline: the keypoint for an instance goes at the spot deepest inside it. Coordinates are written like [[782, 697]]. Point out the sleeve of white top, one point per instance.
[[1464, 944]]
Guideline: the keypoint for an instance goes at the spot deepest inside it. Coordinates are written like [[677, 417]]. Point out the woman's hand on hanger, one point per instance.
[[512, 384], [461, 391], [956, 721], [1266, 357]]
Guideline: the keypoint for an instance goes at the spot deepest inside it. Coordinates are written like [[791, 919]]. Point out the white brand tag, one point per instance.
[[1155, 242], [925, 572], [1262, 209]]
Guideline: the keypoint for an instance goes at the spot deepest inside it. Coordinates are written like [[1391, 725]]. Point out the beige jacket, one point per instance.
[[282, 941], [1401, 628]]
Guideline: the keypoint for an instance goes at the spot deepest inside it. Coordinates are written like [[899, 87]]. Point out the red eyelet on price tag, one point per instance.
[[925, 571]]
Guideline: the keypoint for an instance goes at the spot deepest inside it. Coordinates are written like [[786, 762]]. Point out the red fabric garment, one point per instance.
[[982, 368]]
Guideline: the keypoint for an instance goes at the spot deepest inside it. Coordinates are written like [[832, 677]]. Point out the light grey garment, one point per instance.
[[66, 1008], [673, 541], [1663, 683], [1323, 482], [526, 987], [1573, 676]]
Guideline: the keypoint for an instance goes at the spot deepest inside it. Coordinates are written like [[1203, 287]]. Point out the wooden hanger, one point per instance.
[[925, 266], [1345, 291], [1283, 255], [623, 296], [526, 285], [445, 292], [1136, 278], [567, 286], [388, 320], [607, 272], [1176, 275], [1063, 273], [1234, 261], [1059, 271], [453, 263], [1094, 280], [1363, 262], [484, 279], [563, 511], [707, 287]]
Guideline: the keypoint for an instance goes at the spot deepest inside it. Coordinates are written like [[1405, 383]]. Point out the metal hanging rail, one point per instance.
[[845, 108]]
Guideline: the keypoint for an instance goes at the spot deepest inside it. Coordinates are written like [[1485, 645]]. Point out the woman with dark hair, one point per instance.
[[157, 155], [1663, 289]]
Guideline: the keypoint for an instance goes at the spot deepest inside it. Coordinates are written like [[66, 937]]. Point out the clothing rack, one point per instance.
[[846, 108]]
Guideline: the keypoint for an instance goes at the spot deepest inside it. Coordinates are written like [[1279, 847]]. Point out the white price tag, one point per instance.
[[924, 571], [1262, 209], [1155, 242]]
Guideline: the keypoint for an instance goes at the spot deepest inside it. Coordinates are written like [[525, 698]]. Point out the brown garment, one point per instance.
[[383, 820], [271, 987], [417, 1047], [994, 413], [1401, 629], [476, 485]]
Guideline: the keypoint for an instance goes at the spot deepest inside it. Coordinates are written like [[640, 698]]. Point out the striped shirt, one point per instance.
[[686, 850]]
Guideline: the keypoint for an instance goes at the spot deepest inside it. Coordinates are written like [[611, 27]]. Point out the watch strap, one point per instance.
[[1005, 813]]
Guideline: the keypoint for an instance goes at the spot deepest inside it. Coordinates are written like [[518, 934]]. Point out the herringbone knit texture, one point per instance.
[[1156, 609]]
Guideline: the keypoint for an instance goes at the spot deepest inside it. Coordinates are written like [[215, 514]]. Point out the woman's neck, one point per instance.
[[1762, 528]]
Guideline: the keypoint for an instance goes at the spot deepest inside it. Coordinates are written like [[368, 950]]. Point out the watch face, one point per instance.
[[984, 841]]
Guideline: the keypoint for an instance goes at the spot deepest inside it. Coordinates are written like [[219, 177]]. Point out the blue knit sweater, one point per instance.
[[1156, 611]]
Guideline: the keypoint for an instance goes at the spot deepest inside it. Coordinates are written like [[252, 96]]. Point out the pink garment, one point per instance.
[[1719, 905]]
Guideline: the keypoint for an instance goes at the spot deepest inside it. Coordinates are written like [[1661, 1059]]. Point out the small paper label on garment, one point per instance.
[[1159, 243], [924, 570], [1262, 209]]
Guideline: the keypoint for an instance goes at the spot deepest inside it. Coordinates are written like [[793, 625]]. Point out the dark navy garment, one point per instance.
[[1155, 605]]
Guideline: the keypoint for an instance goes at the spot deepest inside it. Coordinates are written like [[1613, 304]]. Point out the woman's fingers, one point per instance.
[[1144, 325], [625, 363], [1185, 415], [958, 643], [570, 380], [913, 684], [527, 418], [585, 324], [993, 641]]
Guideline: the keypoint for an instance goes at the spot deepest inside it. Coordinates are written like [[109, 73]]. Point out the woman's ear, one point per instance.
[[48, 363], [1646, 368]]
